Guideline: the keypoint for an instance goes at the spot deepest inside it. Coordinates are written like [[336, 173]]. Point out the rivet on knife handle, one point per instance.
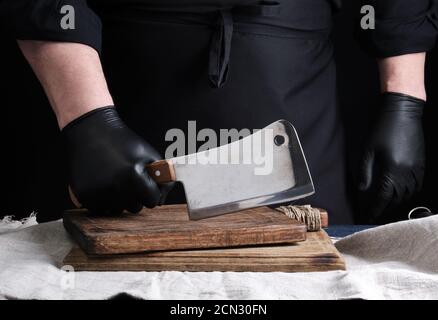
[[161, 171]]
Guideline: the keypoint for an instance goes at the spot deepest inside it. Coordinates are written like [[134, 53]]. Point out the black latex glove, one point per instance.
[[393, 163], [107, 164]]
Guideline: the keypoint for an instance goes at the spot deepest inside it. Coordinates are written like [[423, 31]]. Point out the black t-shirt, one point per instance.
[[402, 26]]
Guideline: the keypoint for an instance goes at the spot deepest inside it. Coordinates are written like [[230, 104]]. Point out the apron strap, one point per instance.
[[220, 47]]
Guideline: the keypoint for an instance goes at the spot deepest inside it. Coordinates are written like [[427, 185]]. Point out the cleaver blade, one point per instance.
[[265, 168]]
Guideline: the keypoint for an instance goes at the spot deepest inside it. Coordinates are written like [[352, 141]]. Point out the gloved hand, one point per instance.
[[393, 163], [107, 164]]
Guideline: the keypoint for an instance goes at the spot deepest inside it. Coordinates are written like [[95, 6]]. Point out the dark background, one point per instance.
[[32, 177]]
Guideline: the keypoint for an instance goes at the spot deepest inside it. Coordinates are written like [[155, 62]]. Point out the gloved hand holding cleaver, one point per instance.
[[265, 168]]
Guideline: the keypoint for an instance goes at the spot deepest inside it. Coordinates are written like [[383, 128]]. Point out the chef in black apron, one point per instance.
[[226, 64]]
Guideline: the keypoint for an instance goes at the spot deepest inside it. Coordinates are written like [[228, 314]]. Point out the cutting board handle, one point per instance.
[[73, 198], [161, 171]]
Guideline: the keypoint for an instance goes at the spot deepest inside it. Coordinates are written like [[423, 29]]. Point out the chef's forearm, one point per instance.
[[404, 74], [71, 75]]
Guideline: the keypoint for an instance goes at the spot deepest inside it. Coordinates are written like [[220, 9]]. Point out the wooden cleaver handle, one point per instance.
[[161, 171]]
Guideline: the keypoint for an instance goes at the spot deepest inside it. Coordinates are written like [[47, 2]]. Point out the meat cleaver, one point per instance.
[[264, 168]]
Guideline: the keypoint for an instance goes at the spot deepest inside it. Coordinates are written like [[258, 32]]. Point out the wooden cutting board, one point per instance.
[[317, 253], [168, 228]]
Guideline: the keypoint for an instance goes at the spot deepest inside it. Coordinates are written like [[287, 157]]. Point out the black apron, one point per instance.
[[230, 64]]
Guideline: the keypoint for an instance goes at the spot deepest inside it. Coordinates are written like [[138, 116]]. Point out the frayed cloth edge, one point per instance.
[[8, 223]]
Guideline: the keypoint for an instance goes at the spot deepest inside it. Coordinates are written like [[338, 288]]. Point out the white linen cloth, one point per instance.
[[397, 261]]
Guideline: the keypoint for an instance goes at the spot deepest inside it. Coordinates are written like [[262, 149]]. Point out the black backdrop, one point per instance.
[[31, 171]]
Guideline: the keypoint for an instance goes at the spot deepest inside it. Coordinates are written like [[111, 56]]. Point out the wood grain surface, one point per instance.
[[317, 253], [168, 228]]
